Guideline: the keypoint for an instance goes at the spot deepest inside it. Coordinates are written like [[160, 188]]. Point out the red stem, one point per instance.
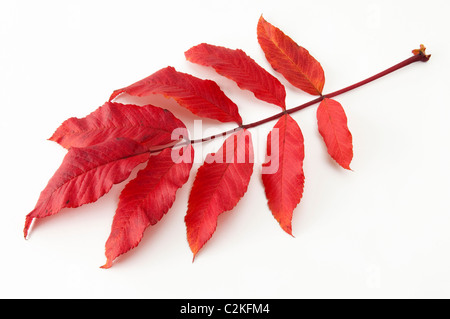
[[400, 65], [419, 56]]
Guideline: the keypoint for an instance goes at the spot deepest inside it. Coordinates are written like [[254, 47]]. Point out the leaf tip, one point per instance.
[[345, 162], [288, 229], [115, 94], [195, 251], [28, 224], [107, 265], [262, 23], [52, 138]]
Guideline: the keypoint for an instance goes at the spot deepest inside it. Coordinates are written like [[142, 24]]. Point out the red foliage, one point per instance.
[[239, 67], [147, 124], [202, 97], [147, 198], [105, 146], [86, 174], [291, 60], [219, 185], [332, 123], [284, 182]]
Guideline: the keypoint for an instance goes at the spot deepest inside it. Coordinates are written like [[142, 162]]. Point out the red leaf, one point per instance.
[[291, 60], [146, 199], [239, 67], [86, 174], [202, 97], [332, 123], [219, 185], [147, 124], [283, 176]]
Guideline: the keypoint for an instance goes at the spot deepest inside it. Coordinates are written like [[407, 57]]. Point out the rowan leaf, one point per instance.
[[202, 97], [294, 62], [86, 174], [106, 145], [147, 198], [283, 176], [218, 186], [144, 124], [239, 67], [332, 123]]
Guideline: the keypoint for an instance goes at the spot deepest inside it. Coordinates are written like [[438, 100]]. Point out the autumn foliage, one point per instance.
[[107, 145]]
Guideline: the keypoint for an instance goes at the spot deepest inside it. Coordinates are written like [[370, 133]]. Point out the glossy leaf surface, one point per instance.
[[332, 123], [239, 67], [294, 62], [147, 198], [283, 177], [86, 174], [144, 124], [219, 185], [202, 97]]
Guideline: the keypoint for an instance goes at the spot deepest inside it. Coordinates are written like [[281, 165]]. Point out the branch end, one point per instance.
[[421, 52]]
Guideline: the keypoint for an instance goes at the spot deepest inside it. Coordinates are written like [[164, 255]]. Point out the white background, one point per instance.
[[379, 231]]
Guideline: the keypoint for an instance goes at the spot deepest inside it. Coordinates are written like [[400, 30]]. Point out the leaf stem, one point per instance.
[[419, 55]]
